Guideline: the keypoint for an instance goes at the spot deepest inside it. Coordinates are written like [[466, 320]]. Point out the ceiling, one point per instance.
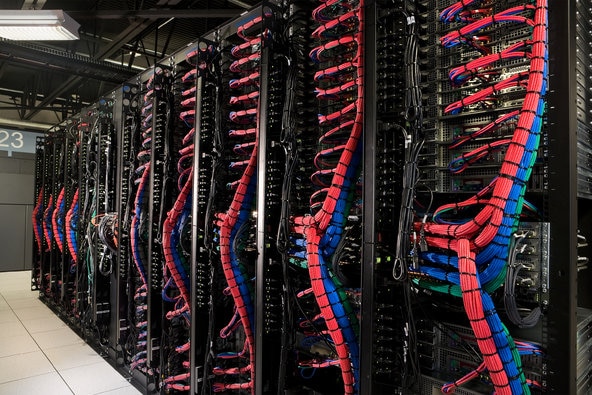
[[42, 83]]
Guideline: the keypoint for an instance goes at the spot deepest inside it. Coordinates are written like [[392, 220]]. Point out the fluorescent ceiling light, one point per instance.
[[37, 25]]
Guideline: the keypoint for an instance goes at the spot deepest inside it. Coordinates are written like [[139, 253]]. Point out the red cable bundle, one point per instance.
[[169, 224], [227, 222], [70, 242], [36, 224], [248, 53], [313, 237], [144, 179], [471, 295], [54, 221], [46, 225], [468, 238], [334, 179]]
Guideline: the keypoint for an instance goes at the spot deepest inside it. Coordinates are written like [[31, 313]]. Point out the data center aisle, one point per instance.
[[41, 354]]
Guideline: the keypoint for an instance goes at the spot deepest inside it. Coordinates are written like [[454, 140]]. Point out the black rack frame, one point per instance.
[[568, 213]]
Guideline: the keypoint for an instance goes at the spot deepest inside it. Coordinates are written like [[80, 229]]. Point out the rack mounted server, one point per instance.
[[359, 197]]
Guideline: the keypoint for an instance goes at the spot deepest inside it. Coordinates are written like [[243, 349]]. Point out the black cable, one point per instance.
[[512, 271]]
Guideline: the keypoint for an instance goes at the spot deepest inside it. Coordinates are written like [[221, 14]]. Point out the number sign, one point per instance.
[[17, 141]]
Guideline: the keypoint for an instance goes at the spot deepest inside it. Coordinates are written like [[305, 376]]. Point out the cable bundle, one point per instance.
[[107, 230], [531, 318], [233, 223], [524, 348], [47, 222], [37, 219], [340, 33], [72, 230], [87, 197], [176, 268], [477, 248], [57, 220], [139, 227]]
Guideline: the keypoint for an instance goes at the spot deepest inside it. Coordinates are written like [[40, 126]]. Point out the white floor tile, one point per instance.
[[28, 326], [56, 338], [129, 390], [68, 357], [22, 279], [93, 379], [19, 275], [12, 286], [26, 302], [28, 313], [19, 344], [22, 366], [15, 328], [43, 324], [3, 304], [7, 316], [19, 294], [46, 384]]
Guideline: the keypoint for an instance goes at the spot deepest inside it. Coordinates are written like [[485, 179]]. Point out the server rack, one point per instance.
[[404, 340], [125, 119], [37, 215], [568, 200], [70, 200], [205, 156]]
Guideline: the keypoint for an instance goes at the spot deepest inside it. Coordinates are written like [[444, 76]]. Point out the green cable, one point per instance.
[[517, 360]]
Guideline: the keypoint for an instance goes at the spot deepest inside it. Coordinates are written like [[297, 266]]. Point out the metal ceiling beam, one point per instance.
[[33, 4], [14, 93], [155, 14], [168, 2], [6, 122], [240, 4], [29, 53], [134, 29]]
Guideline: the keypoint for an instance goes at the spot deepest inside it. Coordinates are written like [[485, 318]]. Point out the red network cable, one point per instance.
[[134, 232], [227, 223], [59, 237], [313, 237], [462, 162], [489, 128], [70, 233], [471, 295], [461, 74], [330, 9], [470, 237], [248, 55], [333, 163], [246, 48], [483, 228], [37, 219], [47, 228], [171, 220]]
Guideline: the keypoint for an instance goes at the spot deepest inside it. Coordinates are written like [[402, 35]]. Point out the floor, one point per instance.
[[39, 354]]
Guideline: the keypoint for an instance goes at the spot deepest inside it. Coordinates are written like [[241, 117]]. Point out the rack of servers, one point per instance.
[[336, 197]]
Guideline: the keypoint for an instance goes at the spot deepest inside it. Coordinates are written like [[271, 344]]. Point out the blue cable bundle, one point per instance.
[[140, 196], [176, 238], [241, 282], [47, 226], [74, 227], [60, 222], [327, 246]]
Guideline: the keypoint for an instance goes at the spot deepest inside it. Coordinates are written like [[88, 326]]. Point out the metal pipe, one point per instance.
[[6, 122]]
